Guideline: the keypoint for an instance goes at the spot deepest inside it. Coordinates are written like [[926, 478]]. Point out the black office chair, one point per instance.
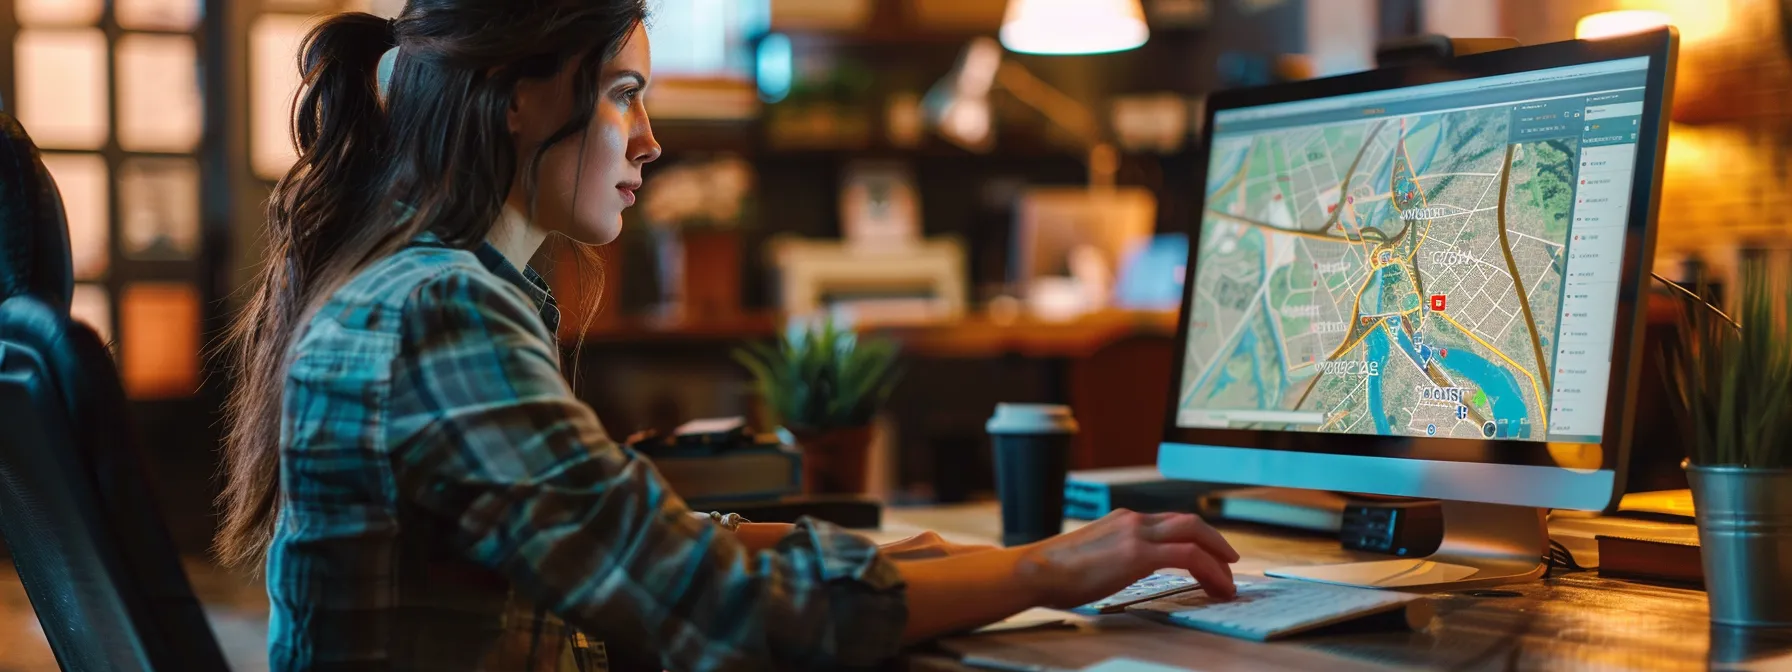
[[76, 508]]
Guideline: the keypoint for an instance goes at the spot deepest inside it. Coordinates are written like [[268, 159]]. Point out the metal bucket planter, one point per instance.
[[1745, 540]]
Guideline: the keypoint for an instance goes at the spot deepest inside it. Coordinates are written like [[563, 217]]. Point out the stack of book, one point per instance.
[[710, 462]]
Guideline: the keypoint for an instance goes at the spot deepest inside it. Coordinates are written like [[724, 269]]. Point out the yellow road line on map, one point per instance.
[[1542, 408], [1346, 348], [1424, 202], [1271, 227], [1335, 418]]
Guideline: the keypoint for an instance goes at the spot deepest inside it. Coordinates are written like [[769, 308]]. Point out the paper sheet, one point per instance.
[[1037, 617], [1131, 665]]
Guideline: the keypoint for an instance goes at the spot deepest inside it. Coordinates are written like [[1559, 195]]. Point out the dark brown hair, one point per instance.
[[435, 154]]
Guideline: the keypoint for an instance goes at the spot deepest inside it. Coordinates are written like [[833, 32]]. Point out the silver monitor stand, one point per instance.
[[1494, 530], [1483, 545]]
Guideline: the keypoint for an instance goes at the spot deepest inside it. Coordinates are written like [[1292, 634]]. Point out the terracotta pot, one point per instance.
[[834, 462], [712, 268]]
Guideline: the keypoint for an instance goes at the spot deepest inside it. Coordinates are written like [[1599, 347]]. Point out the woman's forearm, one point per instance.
[[957, 593], [945, 594], [761, 536]]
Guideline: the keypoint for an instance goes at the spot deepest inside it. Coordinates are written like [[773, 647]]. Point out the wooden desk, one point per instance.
[[1574, 621], [974, 336]]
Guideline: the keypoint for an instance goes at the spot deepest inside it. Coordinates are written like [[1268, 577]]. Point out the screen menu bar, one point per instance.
[[1590, 281]]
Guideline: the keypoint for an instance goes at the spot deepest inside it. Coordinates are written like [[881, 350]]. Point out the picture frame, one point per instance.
[[880, 206]]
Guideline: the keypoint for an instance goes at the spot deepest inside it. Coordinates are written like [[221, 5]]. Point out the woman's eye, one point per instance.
[[627, 96]]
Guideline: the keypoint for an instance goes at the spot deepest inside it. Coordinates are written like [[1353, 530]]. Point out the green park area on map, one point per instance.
[[1395, 276]]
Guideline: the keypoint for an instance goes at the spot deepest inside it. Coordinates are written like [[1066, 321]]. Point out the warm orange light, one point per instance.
[[159, 335], [1621, 22], [1580, 457], [1695, 19]]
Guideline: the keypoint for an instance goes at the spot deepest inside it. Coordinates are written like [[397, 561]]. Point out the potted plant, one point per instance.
[[1732, 379], [825, 384]]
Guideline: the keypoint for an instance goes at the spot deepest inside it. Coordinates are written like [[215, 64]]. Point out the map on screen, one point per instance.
[[1395, 275]]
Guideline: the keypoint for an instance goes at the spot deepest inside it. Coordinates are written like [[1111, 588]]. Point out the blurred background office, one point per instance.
[[925, 170]]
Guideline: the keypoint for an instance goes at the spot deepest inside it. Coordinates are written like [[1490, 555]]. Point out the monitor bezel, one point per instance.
[[1369, 451]]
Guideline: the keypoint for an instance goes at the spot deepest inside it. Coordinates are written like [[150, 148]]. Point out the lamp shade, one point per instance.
[[1073, 26]]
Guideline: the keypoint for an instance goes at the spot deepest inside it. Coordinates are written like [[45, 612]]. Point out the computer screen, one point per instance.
[[1440, 260]]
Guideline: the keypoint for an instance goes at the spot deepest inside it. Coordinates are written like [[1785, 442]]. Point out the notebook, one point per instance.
[[1663, 560]]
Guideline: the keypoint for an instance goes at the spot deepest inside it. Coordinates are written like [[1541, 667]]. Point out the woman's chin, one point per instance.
[[599, 234]]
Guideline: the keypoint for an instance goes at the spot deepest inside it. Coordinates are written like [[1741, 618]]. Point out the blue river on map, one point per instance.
[[1267, 397], [1468, 368], [1257, 372], [1247, 345], [1385, 172], [1377, 346], [1228, 165], [1503, 392], [1378, 352]]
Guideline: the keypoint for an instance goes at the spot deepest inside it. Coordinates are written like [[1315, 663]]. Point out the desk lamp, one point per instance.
[[959, 104]]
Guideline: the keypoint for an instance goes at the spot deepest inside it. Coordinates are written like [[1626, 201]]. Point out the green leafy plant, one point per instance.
[[822, 377], [1733, 381]]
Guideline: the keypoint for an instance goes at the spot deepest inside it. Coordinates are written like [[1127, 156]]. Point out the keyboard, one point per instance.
[[1154, 587], [1268, 609]]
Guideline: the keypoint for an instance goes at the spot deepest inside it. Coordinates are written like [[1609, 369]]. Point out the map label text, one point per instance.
[[1350, 368], [1436, 393], [1451, 258], [1417, 214]]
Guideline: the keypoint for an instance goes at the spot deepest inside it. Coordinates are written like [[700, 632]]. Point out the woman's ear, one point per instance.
[[526, 99], [537, 106], [512, 113]]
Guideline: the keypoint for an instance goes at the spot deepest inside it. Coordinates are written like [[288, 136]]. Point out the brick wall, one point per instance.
[[1729, 163]]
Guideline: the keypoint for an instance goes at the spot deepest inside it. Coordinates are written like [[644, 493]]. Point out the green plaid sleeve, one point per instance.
[[486, 433]]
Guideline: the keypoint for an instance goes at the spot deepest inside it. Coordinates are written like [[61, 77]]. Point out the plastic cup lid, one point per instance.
[[1032, 419]]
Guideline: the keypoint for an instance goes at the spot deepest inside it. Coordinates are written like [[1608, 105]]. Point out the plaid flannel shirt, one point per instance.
[[449, 505]]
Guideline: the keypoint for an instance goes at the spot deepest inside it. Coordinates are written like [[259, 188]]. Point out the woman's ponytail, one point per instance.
[[316, 209]]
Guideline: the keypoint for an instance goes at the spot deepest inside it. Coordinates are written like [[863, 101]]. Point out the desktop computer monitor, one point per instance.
[[1424, 281]]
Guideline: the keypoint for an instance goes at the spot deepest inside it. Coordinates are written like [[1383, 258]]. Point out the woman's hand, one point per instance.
[[956, 593], [1106, 556], [927, 545]]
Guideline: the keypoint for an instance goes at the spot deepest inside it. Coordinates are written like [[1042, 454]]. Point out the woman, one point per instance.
[[406, 458]]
